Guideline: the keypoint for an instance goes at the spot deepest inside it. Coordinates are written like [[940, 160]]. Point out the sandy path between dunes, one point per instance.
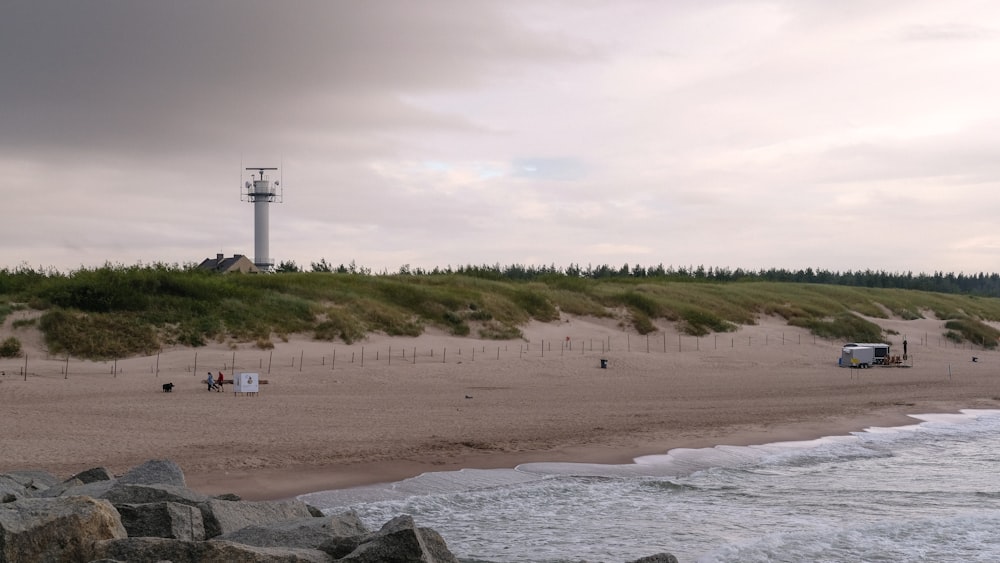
[[319, 424]]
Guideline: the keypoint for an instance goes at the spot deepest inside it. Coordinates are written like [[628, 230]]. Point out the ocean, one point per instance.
[[925, 492]]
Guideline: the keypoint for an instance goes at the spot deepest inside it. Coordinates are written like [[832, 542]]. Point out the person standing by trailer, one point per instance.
[[210, 381], [219, 382], [904, 348]]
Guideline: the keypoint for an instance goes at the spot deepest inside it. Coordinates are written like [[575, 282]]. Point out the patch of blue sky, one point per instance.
[[549, 168], [488, 171], [480, 170], [436, 166]]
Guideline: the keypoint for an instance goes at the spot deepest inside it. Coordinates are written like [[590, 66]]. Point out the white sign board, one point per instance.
[[246, 383]]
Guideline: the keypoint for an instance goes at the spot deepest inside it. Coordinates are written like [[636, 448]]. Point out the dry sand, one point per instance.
[[319, 424]]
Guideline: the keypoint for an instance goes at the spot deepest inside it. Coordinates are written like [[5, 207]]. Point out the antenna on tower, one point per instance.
[[259, 191]]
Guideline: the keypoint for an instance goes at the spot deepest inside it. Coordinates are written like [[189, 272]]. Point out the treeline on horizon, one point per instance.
[[983, 284], [980, 284]]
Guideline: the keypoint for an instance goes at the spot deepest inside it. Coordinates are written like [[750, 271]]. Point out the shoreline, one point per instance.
[[285, 483]]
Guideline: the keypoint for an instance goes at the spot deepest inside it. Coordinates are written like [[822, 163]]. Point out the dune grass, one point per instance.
[[117, 312]]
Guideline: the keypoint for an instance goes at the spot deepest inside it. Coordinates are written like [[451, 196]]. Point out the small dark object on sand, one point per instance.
[[168, 387]]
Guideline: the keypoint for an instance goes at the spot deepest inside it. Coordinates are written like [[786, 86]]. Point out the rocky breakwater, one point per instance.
[[149, 514]]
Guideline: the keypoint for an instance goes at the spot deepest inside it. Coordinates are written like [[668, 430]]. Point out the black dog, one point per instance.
[[168, 387]]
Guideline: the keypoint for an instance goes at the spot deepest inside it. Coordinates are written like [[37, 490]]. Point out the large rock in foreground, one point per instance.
[[399, 541], [226, 516], [41, 530], [138, 550], [162, 520], [308, 533], [155, 472], [148, 514]]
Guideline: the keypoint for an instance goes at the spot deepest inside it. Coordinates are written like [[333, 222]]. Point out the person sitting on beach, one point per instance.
[[210, 382], [219, 382]]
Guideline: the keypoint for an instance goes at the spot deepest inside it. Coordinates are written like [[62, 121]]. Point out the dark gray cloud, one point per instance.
[[175, 76]]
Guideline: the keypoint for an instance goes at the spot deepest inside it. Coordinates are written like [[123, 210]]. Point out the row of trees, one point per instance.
[[982, 284], [972, 284]]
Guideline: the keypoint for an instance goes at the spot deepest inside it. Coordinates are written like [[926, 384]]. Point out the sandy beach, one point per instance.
[[333, 415]]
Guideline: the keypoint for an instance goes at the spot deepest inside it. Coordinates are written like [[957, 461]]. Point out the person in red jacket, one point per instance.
[[219, 381]]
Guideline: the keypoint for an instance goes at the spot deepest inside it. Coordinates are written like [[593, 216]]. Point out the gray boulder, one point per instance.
[[301, 532], [55, 529], [34, 480], [225, 516], [400, 541], [92, 475], [145, 494], [96, 489], [347, 524], [155, 472], [21, 484], [162, 520], [218, 516], [59, 488], [181, 551], [11, 489], [340, 547]]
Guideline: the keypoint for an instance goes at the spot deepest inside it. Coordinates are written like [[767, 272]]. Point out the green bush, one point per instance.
[[340, 324], [698, 322], [972, 330], [535, 304], [845, 326], [496, 331], [10, 348], [22, 323], [477, 315], [642, 323], [97, 336], [642, 303]]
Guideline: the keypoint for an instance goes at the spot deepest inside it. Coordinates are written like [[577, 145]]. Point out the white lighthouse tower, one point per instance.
[[260, 191]]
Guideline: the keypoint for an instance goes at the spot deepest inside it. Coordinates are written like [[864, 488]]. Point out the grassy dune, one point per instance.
[[120, 312]]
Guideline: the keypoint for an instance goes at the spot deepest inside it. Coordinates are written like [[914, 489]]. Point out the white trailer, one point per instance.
[[881, 351], [866, 353], [855, 356]]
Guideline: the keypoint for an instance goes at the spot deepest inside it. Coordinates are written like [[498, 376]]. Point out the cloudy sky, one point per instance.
[[789, 133]]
